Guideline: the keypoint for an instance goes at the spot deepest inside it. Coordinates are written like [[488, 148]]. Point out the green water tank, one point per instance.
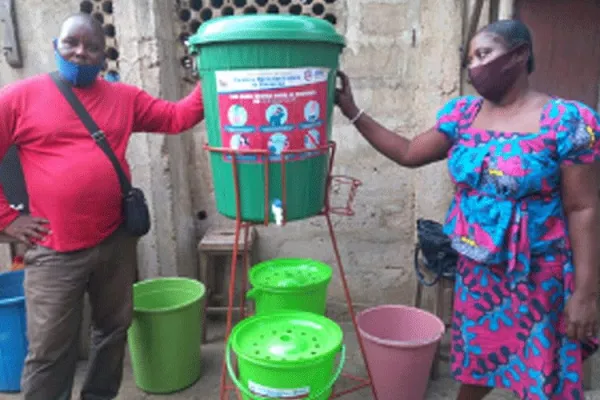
[[268, 83]]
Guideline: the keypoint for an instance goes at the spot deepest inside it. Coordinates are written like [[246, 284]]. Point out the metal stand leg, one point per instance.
[[365, 383], [230, 302], [239, 225]]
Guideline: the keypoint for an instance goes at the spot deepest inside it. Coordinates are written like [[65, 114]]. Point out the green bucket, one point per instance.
[[268, 83], [286, 355], [164, 338], [289, 284]]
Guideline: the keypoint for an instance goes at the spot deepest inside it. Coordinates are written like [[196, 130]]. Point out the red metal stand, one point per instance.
[[346, 210]]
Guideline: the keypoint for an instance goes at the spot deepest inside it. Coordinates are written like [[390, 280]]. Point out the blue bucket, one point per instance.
[[13, 338]]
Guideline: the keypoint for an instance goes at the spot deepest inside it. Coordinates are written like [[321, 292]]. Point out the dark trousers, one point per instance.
[[55, 284]]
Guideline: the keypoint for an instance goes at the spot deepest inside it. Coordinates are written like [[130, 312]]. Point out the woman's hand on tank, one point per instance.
[[344, 97]]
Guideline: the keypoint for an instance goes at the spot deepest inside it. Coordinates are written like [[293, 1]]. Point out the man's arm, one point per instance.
[[24, 228], [162, 116], [8, 121]]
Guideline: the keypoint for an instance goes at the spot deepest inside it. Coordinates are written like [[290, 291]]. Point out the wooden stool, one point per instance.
[[219, 242], [439, 308]]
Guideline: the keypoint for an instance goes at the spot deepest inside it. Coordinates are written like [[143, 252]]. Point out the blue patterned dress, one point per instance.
[[515, 271]]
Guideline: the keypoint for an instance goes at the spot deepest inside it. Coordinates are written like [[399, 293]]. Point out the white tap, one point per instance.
[[277, 210]]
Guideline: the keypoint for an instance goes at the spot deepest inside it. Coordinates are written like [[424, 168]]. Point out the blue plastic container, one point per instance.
[[13, 338]]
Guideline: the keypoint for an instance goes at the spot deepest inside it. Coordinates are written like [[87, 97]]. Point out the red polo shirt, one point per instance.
[[69, 179]]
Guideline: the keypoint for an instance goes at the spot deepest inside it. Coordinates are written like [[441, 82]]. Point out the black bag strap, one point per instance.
[[97, 134]]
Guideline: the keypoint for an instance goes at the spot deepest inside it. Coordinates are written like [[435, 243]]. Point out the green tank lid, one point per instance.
[[267, 27]]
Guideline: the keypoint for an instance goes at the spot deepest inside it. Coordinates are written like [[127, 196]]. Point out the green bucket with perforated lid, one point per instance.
[[296, 284], [287, 355]]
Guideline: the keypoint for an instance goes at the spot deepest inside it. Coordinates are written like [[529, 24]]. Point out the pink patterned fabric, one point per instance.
[[515, 272]]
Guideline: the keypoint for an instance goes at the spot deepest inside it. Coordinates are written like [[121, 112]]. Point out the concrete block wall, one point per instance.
[[39, 22], [159, 162]]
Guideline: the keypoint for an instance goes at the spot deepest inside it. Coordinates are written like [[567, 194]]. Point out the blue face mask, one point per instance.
[[77, 75]]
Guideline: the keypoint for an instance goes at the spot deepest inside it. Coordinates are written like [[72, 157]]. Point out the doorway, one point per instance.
[[566, 47]]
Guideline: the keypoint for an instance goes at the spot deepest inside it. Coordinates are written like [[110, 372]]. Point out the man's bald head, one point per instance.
[[85, 20], [82, 40]]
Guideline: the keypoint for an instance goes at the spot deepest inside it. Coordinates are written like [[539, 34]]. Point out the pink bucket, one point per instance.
[[400, 344]]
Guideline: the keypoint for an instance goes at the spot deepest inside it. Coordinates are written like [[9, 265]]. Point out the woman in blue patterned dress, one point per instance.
[[524, 219]]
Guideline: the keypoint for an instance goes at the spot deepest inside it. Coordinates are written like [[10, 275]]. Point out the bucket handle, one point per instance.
[[253, 396]]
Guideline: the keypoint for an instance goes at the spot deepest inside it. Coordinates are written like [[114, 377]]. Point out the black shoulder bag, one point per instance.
[[439, 257], [135, 209]]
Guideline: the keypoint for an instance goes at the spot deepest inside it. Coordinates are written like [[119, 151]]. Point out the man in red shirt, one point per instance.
[[77, 243]]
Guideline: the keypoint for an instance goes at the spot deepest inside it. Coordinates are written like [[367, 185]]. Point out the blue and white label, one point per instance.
[[290, 394], [267, 79]]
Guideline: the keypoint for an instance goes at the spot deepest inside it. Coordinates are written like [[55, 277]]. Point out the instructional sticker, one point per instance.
[[274, 110]]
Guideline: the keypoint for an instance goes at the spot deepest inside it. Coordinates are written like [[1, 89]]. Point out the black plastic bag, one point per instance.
[[439, 258]]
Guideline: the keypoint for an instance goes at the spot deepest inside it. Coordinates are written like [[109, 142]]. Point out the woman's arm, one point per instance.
[[579, 186], [429, 146]]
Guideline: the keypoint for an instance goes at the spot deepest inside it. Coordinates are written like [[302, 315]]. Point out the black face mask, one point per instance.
[[494, 79]]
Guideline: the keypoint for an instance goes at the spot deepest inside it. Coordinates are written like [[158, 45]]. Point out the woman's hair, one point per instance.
[[514, 33]]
